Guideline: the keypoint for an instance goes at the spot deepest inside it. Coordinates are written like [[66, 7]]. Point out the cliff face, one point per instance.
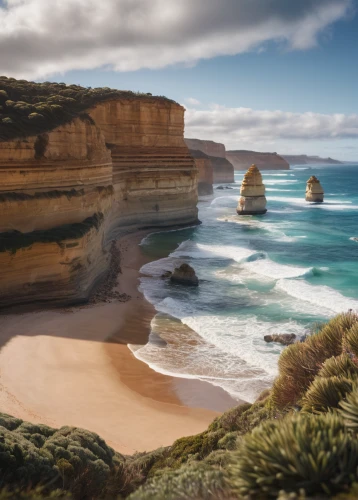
[[66, 193], [309, 160], [210, 148], [205, 172], [154, 176], [223, 171], [242, 160]]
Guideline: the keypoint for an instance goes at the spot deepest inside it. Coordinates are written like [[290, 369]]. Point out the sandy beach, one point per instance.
[[72, 367]]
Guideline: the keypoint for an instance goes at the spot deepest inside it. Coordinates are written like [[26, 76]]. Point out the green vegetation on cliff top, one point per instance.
[[298, 441], [29, 108]]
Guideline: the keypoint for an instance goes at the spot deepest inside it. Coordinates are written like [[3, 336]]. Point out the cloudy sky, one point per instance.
[[270, 75]]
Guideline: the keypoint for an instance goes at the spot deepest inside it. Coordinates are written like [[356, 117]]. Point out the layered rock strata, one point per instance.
[[205, 172], [223, 171], [314, 190], [210, 148], [65, 194], [252, 200], [242, 160]]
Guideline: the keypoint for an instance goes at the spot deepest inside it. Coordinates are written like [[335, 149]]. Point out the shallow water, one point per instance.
[[277, 273]]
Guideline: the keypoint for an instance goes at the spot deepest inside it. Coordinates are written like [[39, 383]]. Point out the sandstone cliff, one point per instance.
[[210, 148], [310, 160], [205, 172], [66, 193], [223, 171], [242, 160]]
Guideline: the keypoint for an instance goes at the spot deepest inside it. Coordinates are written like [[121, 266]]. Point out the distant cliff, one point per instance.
[[67, 190], [310, 160], [242, 160], [223, 171], [210, 148], [205, 172]]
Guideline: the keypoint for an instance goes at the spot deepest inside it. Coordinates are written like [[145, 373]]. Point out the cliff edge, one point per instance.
[[101, 163]]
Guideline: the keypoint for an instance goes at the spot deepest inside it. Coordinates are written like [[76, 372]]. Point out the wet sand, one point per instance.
[[73, 367]]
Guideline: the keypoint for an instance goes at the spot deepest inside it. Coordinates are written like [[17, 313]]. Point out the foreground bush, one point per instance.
[[301, 362], [311, 453]]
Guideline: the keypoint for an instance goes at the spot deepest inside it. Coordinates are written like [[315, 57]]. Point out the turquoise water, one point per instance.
[[278, 273]]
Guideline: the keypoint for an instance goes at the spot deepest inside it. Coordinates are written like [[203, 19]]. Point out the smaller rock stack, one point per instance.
[[314, 190], [252, 200]]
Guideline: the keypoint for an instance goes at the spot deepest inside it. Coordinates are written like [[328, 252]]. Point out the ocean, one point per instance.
[[282, 272]]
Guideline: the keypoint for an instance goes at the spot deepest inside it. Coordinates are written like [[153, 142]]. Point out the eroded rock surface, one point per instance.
[[123, 165], [223, 171], [314, 190], [281, 338], [252, 200], [184, 275]]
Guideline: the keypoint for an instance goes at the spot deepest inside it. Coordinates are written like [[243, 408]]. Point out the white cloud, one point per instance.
[[192, 101], [245, 128], [41, 37]]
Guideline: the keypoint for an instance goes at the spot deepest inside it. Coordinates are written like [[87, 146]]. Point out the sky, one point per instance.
[[266, 75]]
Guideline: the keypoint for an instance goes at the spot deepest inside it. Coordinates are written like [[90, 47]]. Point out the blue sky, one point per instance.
[[293, 84], [323, 79]]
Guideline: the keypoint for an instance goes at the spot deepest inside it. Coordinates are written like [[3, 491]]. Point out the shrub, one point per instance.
[[197, 481], [349, 409], [326, 393], [52, 104], [314, 453], [300, 363], [342, 365], [351, 340]]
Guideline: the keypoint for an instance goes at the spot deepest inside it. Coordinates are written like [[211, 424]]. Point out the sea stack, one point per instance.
[[252, 200], [314, 190]]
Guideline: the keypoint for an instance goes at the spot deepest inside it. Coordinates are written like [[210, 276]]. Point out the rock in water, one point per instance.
[[281, 338], [252, 200], [314, 190], [185, 275]]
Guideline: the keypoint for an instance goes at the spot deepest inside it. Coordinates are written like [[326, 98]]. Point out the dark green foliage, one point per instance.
[[72, 458], [31, 108], [195, 481], [325, 394], [314, 453], [14, 240]]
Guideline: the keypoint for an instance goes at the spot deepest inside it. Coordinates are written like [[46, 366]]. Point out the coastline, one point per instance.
[[72, 366]]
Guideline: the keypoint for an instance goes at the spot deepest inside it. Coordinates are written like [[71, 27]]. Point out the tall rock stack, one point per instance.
[[314, 190], [252, 200]]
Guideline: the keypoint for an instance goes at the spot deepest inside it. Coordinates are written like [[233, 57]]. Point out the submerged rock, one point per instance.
[[185, 275], [252, 200], [314, 190], [281, 338]]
